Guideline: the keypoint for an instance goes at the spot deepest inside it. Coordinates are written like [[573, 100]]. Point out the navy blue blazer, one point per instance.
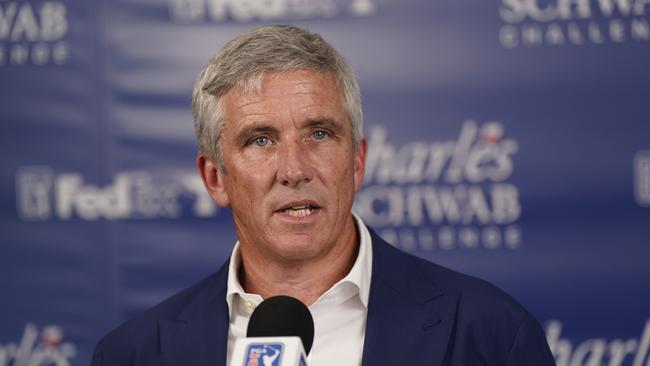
[[419, 313]]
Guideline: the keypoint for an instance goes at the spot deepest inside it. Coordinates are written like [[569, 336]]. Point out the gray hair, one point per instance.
[[242, 62]]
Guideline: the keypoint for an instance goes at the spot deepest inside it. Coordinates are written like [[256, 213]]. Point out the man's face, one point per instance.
[[290, 167]]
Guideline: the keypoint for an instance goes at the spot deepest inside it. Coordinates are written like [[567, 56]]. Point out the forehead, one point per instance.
[[275, 93]]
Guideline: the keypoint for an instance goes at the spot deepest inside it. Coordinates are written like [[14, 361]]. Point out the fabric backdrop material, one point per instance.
[[509, 139]]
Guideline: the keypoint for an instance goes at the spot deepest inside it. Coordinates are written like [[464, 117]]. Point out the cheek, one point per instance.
[[252, 172], [330, 164], [250, 185], [339, 172]]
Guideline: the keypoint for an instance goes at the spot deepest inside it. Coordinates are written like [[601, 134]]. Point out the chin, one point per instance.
[[298, 249]]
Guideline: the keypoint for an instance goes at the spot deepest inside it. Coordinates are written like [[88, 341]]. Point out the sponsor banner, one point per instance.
[[598, 351], [43, 195], [532, 23], [445, 194], [507, 139], [219, 11], [33, 33], [642, 178], [44, 347]]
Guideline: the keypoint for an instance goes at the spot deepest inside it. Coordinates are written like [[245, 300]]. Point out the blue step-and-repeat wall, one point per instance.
[[509, 139]]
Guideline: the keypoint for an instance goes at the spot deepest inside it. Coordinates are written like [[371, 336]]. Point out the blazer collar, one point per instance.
[[410, 319], [198, 335]]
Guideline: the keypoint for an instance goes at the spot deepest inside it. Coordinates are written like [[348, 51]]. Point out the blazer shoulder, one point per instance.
[[476, 296], [497, 326], [479, 300], [494, 324], [138, 338]]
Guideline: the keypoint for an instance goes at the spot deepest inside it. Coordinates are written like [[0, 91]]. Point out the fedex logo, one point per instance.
[[42, 194]]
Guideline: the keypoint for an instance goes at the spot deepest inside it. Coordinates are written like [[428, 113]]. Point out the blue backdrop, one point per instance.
[[508, 139]]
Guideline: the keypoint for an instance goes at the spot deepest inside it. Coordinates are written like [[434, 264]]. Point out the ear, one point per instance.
[[360, 163], [213, 180]]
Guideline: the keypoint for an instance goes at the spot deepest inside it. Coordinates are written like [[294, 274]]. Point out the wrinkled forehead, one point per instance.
[[275, 90], [253, 83]]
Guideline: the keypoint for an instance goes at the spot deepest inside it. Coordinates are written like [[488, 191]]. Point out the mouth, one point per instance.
[[299, 210]]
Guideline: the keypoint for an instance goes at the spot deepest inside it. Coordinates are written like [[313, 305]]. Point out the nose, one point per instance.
[[294, 165]]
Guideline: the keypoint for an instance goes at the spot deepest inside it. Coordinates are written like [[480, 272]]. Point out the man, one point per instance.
[[279, 124]]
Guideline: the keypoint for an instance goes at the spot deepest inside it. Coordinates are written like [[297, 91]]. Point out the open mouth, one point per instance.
[[299, 210]]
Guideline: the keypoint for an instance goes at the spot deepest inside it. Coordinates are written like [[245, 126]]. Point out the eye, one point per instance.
[[261, 141], [320, 135]]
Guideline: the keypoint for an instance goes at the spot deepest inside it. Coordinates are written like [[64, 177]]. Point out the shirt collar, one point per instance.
[[359, 275]]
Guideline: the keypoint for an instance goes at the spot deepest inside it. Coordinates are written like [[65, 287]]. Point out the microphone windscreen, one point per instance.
[[282, 316]]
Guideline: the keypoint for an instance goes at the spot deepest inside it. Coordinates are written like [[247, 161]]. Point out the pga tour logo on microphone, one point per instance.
[[264, 354]]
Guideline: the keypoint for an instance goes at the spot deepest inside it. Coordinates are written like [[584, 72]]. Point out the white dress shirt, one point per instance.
[[339, 314]]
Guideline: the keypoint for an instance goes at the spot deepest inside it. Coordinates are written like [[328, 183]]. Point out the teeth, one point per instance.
[[302, 212]]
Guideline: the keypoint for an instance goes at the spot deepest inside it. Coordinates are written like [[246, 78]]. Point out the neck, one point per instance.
[[304, 280]]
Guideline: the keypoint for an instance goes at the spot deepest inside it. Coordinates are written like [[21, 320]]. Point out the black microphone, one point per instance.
[[280, 333], [282, 316]]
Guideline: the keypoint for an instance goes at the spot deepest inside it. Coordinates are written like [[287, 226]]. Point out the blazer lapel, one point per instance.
[[199, 334], [410, 319]]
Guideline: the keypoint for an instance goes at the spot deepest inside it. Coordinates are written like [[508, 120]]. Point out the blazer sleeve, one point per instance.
[[530, 347]]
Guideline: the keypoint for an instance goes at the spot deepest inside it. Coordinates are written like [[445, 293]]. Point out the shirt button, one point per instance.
[[250, 305]]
